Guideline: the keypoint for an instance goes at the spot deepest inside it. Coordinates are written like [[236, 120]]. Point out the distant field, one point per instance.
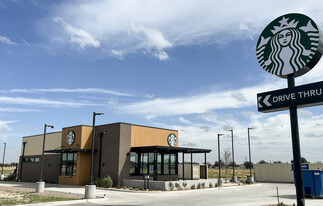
[[240, 173], [7, 170]]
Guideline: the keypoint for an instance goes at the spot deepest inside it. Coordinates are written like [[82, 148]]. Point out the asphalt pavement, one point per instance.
[[258, 194]]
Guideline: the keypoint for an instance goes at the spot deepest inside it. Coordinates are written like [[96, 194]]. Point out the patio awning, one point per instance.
[[164, 149], [67, 150]]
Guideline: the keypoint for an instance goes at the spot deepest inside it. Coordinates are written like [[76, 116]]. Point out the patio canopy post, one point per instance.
[[191, 166], [183, 165], [205, 165]]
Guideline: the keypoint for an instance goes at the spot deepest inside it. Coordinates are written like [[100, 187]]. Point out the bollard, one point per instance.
[[40, 186], [89, 191]]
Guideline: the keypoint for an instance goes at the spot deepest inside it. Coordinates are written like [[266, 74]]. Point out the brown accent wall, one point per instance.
[[124, 152], [31, 170], [149, 136], [115, 158]]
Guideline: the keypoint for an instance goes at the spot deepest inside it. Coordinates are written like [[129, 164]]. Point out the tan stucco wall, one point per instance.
[[187, 171], [34, 144], [277, 172], [148, 136]]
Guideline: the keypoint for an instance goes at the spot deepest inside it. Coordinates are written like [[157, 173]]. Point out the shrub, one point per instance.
[[184, 184], [11, 177], [203, 185], [96, 181], [106, 182], [193, 186], [178, 186], [199, 186], [210, 185], [171, 185]]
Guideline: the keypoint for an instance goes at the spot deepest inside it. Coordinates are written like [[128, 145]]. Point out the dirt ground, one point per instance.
[[14, 195]]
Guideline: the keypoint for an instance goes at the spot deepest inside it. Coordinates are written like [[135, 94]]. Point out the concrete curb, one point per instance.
[[71, 202]]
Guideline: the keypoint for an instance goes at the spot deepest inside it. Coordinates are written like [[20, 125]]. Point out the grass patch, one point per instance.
[[14, 198], [240, 173]]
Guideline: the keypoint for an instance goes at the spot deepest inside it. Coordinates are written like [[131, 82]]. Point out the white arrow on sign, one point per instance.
[[259, 105], [265, 101]]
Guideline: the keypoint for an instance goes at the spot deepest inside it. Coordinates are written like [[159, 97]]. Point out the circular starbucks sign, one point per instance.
[[172, 140], [70, 137], [290, 44]]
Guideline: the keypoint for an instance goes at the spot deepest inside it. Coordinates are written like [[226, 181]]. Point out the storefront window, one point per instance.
[[31, 159], [172, 164], [68, 164], [166, 164], [144, 163], [133, 162], [159, 164]]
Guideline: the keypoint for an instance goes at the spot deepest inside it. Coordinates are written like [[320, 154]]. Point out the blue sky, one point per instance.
[[186, 65]]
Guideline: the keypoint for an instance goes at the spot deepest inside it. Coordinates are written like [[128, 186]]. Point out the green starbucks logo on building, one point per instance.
[[172, 140], [70, 138], [289, 45]]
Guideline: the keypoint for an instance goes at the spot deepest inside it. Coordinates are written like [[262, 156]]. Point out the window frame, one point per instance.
[[68, 164]]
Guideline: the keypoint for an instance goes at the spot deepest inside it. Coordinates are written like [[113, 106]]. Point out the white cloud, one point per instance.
[[10, 109], [153, 40], [6, 40], [44, 102], [128, 26], [4, 125], [78, 36], [183, 120], [198, 104], [64, 90]]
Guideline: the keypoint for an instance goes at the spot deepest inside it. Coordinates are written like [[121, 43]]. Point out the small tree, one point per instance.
[[262, 162], [216, 164], [235, 164], [209, 164], [248, 164], [226, 159]]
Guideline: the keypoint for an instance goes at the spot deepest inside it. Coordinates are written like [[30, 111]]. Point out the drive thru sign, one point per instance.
[[289, 47], [300, 96]]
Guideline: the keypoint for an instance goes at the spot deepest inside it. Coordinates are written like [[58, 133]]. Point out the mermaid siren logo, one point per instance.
[[291, 44]]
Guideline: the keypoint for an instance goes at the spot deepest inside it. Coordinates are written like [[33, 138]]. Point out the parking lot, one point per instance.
[[230, 195]]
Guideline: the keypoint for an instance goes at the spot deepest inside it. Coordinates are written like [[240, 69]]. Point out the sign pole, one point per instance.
[[296, 148]]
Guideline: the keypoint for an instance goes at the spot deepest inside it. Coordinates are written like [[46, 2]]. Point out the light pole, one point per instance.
[[40, 185], [220, 181], [234, 178], [90, 189], [4, 154], [250, 178]]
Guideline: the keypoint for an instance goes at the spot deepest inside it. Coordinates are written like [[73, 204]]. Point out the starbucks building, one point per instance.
[[121, 150]]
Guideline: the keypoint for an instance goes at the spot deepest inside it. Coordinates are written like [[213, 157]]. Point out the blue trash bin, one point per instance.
[[313, 183]]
